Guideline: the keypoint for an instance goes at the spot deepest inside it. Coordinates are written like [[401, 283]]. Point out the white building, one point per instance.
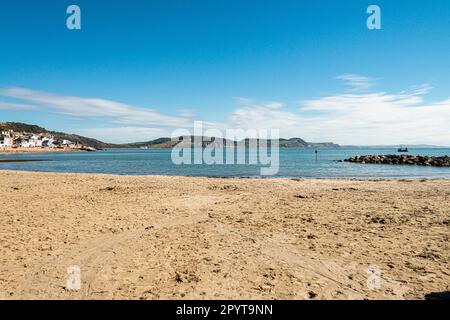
[[36, 141], [66, 142], [10, 139], [26, 144], [31, 141], [6, 141], [48, 142]]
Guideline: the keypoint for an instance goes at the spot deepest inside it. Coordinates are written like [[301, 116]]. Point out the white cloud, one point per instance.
[[119, 113], [381, 118], [125, 134], [187, 113], [357, 82], [17, 106], [269, 115], [361, 119]]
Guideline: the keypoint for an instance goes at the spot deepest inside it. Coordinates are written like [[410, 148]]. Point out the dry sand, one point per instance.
[[155, 237]]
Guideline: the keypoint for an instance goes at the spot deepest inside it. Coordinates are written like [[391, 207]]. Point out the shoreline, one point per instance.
[[37, 151], [172, 237], [22, 160], [262, 178]]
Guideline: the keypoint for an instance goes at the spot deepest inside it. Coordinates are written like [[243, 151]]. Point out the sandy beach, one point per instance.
[[157, 237]]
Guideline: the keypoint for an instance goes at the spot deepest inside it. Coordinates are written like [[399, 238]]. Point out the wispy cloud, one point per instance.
[[371, 101], [251, 114], [125, 134], [118, 113], [357, 83], [17, 106]]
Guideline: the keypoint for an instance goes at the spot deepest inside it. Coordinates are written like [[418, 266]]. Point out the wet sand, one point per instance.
[[157, 237]]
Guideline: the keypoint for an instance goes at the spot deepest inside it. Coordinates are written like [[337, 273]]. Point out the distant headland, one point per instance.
[[22, 136]]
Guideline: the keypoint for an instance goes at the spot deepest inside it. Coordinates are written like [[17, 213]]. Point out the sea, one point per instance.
[[301, 162]]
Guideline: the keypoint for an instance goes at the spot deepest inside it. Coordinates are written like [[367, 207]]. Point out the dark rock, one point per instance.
[[402, 159]]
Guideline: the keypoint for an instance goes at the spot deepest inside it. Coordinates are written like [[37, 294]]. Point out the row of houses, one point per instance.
[[11, 139]]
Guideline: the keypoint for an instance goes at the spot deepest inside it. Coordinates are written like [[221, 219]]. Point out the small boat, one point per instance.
[[403, 149]]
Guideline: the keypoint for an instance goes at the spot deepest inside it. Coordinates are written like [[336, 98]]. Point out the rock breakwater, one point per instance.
[[402, 159]]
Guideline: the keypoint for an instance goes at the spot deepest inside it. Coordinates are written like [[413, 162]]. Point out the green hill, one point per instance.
[[157, 143], [153, 144]]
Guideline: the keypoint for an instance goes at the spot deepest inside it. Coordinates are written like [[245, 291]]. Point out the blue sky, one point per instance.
[[140, 69]]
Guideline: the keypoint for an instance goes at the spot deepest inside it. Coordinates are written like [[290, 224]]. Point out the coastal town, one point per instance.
[[25, 141]]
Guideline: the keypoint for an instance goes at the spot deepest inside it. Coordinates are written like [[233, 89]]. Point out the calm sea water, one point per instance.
[[293, 163]]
